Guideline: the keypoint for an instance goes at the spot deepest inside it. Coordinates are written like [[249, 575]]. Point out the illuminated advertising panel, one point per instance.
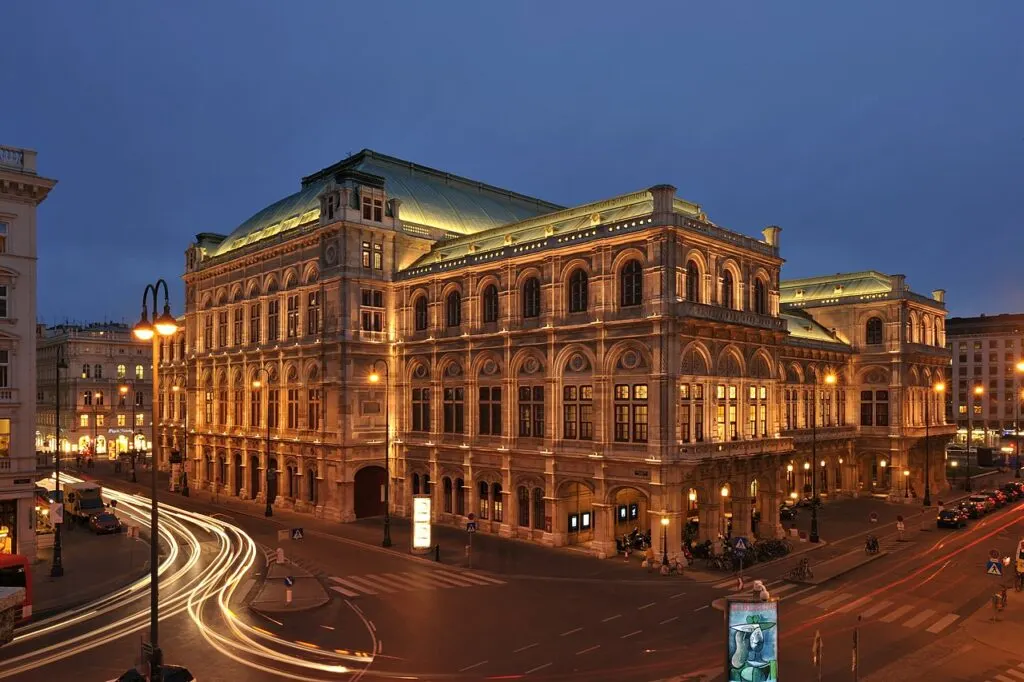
[[421, 522], [753, 636]]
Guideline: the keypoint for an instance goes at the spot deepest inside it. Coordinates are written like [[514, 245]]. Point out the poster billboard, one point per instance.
[[752, 634], [421, 522]]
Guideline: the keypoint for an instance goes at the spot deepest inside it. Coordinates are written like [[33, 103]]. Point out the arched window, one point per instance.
[[578, 291], [484, 502], [415, 484], [531, 298], [87, 397], [631, 284], [538, 508], [97, 371], [497, 503], [935, 334], [420, 313], [873, 331], [453, 309], [692, 282], [490, 303], [728, 290], [86, 370], [921, 331], [426, 484], [523, 498], [760, 297], [446, 484], [121, 370], [460, 496]]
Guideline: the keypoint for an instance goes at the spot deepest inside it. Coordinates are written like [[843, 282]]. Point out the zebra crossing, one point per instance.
[[1015, 674], [909, 616], [378, 584]]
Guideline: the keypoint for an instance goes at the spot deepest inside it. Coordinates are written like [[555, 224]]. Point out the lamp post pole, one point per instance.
[[814, 466], [164, 325], [927, 454], [57, 569], [374, 378], [1016, 421]]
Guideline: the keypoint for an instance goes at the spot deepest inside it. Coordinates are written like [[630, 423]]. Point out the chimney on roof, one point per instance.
[[939, 295], [771, 235], [899, 283], [663, 196]]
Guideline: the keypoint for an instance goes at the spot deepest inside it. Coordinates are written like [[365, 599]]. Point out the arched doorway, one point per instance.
[[238, 474], [368, 485], [273, 480], [101, 445], [254, 476], [691, 529], [575, 505], [140, 442], [630, 508], [83, 445]]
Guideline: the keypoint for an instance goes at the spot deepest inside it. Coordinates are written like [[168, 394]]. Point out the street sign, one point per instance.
[[56, 513], [741, 544], [296, 533], [994, 567], [289, 581], [873, 517], [470, 526]]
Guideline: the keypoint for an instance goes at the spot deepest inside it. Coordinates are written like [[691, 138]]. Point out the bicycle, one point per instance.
[[801, 571]]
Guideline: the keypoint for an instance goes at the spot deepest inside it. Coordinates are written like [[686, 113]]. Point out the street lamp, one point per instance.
[[271, 473], [1016, 421], [184, 438], [978, 391], [375, 377], [57, 569], [906, 483], [789, 475], [164, 325], [664, 540], [939, 388], [954, 464]]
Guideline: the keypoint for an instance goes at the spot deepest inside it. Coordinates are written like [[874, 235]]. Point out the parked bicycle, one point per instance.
[[801, 571]]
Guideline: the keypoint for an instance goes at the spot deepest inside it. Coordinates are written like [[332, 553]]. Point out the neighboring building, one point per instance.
[[985, 352], [565, 374], [22, 189], [105, 403]]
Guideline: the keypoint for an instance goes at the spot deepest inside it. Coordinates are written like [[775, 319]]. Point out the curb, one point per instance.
[[299, 572]]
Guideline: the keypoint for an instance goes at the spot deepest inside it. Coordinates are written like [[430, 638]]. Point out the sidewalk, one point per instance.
[[94, 566], [307, 592]]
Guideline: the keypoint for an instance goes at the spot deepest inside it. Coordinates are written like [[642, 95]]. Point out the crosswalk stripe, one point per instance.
[[432, 580], [815, 597], [893, 615], [782, 588], [856, 603], [1019, 675], [373, 582], [473, 578], [342, 591], [455, 580], [919, 618], [724, 584], [834, 600], [412, 579], [485, 578], [351, 583], [1003, 678], [940, 625], [876, 608]]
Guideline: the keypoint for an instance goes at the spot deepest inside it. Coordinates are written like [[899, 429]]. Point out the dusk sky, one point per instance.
[[880, 135]]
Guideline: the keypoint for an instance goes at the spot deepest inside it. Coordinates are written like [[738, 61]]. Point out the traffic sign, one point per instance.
[[873, 517], [470, 526], [994, 567], [289, 581], [56, 513], [741, 544], [296, 533]]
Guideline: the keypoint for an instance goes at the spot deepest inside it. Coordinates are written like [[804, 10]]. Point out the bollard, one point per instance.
[[280, 555], [437, 552], [288, 596]]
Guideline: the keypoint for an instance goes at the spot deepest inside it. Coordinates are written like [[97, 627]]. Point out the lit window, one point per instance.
[[378, 256], [83, 420], [140, 419], [372, 312], [121, 420], [121, 371], [366, 254], [140, 373], [4, 227]]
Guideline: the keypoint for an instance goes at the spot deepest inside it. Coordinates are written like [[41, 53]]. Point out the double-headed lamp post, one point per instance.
[[830, 380], [939, 389], [57, 569], [376, 377], [162, 326], [271, 473], [978, 391], [1016, 420]]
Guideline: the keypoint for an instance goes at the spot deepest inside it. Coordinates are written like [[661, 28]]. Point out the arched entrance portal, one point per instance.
[[368, 497], [575, 512], [630, 508]]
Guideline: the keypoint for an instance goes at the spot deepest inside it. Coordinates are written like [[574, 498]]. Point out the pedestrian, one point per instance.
[[649, 558]]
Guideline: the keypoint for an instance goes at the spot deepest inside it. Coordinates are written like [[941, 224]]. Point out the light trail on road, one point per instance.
[[201, 584]]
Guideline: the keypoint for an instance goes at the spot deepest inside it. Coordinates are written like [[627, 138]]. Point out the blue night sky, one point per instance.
[[879, 135]]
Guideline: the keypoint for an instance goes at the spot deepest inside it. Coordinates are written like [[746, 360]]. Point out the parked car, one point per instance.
[[998, 498], [105, 522], [1012, 491], [951, 518], [787, 512], [973, 510], [987, 503]]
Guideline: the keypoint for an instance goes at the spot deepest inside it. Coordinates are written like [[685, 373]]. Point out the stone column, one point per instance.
[[710, 515], [604, 530], [741, 509]]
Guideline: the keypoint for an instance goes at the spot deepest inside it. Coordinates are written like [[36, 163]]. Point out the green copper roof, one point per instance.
[[429, 197], [832, 287], [802, 326]]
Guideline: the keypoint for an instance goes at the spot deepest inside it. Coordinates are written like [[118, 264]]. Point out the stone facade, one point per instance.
[[565, 376]]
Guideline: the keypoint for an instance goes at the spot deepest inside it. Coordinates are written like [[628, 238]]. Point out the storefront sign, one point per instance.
[[421, 522], [752, 649]]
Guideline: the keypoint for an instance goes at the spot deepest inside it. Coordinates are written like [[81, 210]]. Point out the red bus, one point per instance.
[[14, 572]]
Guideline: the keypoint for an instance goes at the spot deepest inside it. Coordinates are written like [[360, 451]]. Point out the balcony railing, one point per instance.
[[735, 448], [8, 395], [19, 159], [728, 315], [822, 433]]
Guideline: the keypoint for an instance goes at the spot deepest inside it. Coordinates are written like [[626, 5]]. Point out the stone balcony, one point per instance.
[[8, 396], [693, 452], [822, 433], [728, 315]]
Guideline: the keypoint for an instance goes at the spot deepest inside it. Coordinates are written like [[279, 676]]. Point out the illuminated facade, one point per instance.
[[103, 392], [22, 189], [564, 374]]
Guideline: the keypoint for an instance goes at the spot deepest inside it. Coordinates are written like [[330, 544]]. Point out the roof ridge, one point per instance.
[[821, 279]]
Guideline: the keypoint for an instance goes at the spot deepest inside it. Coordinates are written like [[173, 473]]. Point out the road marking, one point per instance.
[[539, 667], [834, 600], [408, 580], [701, 608], [470, 667], [271, 619], [453, 579], [327, 627], [635, 632], [481, 578], [782, 588], [435, 581], [876, 608], [524, 648], [668, 620], [611, 618], [890, 617], [674, 596], [919, 618], [342, 591], [1003, 678], [646, 606], [941, 624], [570, 632], [587, 651], [1016, 674], [799, 592], [357, 584], [724, 584], [816, 597], [856, 603]]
